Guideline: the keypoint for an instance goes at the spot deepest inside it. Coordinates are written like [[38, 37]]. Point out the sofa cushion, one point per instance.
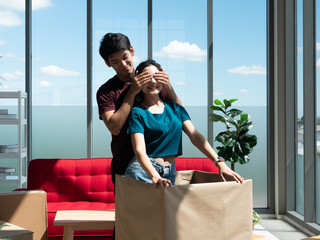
[[200, 164], [71, 180]]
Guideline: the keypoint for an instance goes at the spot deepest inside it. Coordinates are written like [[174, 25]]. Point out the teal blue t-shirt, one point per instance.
[[162, 132]]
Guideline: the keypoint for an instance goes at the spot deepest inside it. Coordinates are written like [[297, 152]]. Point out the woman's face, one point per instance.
[[153, 86]]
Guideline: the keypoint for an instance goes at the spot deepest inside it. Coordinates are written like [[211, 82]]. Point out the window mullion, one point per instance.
[[309, 95]]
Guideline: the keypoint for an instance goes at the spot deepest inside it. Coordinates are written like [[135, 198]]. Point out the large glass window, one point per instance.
[[180, 46], [59, 79], [318, 111], [132, 21], [239, 72], [12, 72], [300, 123]]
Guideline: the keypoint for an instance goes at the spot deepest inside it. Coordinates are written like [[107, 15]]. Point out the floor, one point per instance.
[[274, 229]]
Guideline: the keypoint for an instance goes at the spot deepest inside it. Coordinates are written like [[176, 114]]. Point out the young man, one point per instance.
[[116, 97]]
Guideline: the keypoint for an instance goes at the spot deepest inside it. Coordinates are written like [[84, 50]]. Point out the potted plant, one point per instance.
[[236, 142], [256, 219]]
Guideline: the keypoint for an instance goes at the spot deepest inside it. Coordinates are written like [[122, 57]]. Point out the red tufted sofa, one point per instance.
[[85, 184]]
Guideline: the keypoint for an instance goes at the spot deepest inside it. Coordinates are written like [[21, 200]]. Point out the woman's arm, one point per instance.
[[139, 148], [203, 145]]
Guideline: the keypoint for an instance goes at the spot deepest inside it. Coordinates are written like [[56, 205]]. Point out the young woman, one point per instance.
[[156, 128]]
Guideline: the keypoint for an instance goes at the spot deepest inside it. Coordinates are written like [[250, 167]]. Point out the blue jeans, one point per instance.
[[134, 170]]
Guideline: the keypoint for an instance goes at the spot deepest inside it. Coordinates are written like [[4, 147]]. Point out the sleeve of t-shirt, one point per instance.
[[183, 113], [135, 122], [105, 101]]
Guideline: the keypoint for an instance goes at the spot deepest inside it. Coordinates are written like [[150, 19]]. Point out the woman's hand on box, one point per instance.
[[224, 170], [161, 182]]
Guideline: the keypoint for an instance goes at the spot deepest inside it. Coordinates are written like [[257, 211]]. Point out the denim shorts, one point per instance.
[[134, 170]]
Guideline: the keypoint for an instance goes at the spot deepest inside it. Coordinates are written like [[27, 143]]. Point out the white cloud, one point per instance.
[[58, 71], [4, 87], [19, 5], [18, 73], [244, 91], [7, 55], [12, 76], [182, 50], [44, 83], [248, 70], [2, 42], [9, 19], [318, 63], [180, 83], [217, 93], [9, 76]]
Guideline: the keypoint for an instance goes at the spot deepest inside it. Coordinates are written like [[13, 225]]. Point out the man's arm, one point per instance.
[[115, 120]]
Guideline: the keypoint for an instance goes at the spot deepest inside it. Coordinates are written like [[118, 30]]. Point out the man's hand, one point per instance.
[[139, 80], [163, 78]]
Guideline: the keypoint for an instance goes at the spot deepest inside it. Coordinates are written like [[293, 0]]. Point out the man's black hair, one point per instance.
[[113, 42]]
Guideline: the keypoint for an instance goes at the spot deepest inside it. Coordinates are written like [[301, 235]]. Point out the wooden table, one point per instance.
[[84, 220]]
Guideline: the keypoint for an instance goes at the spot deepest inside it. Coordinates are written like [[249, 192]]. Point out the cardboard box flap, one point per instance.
[[9, 230], [26, 209], [194, 177]]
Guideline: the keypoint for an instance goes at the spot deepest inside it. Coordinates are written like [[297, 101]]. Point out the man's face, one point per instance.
[[122, 62]]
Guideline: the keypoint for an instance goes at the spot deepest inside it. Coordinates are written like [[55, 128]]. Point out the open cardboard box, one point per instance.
[[26, 209], [199, 206], [10, 231]]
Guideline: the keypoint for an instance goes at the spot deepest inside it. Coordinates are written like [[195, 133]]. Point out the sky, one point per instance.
[[179, 45]]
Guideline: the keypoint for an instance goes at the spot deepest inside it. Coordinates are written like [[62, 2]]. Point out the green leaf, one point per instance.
[[227, 103], [246, 126], [218, 102], [229, 142], [215, 117], [244, 117], [233, 100], [246, 149], [238, 149], [221, 137], [217, 108], [251, 140], [242, 134], [231, 122], [234, 112]]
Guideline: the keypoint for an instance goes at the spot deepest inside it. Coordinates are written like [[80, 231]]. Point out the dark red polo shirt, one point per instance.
[[110, 96]]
